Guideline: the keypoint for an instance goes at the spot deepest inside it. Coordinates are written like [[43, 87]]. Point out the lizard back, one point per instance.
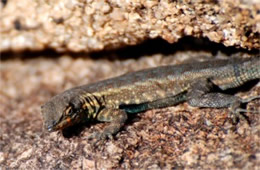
[[167, 81]]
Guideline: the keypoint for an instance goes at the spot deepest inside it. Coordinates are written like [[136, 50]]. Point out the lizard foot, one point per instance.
[[236, 112], [97, 137]]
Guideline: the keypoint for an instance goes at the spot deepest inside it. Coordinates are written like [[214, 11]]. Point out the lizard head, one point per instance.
[[62, 110]]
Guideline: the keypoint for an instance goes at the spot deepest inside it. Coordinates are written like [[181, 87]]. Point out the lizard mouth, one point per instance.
[[52, 126], [66, 122]]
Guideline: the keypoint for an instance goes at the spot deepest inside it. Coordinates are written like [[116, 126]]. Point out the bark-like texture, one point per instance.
[[174, 137], [88, 25]]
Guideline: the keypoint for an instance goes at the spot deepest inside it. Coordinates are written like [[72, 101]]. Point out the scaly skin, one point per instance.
[[112, 99]]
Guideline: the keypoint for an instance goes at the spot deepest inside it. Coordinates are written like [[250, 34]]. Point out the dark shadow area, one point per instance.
[[148, 47], [160, 46], [48, 53], [76, 129], [243, 88]]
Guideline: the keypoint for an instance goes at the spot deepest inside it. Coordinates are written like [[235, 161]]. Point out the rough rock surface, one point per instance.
[[88, 25], [174, 137]]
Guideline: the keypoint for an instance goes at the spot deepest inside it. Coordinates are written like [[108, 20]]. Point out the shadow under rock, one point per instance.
[[148, 47]]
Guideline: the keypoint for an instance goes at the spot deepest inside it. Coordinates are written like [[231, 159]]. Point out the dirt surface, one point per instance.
[[174, 137], [88, 25]]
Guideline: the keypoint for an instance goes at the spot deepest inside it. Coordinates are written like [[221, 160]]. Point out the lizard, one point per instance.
[[111, 100]]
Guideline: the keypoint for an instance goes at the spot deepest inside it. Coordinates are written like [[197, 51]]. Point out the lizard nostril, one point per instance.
[[49, 128]]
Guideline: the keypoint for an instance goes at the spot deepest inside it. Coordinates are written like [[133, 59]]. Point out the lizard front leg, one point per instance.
[[116, 117]]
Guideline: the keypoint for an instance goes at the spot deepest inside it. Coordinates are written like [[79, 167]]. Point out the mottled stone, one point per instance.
[[66, 25]]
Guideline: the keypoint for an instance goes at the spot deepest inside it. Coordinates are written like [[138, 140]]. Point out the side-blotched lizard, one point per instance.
[[112, 99]]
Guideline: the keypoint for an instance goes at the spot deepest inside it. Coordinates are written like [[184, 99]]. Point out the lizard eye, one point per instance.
[[69, 111]]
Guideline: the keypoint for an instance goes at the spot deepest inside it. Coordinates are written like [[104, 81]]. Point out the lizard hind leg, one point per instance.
[[201, 95], [116, 118]]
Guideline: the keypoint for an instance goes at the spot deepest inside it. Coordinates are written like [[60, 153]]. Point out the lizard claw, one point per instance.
[[236, 112], [237, 115]]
